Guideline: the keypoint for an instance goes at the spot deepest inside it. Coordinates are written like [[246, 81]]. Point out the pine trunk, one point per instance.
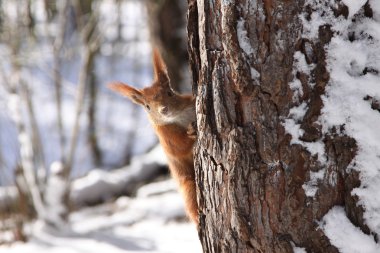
[[250, 177]]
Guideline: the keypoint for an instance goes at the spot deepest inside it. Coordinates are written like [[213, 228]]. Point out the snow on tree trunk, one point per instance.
[[274, 155], [57, 195]]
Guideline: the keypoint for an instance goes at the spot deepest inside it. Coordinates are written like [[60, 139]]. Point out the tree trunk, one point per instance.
[[92, 134], [167, 19], [250, 177]]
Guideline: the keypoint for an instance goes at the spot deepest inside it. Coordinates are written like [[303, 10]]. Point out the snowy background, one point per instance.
[[125, 58], [152, 218]]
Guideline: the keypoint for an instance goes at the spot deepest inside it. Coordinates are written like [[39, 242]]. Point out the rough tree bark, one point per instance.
[[249, 176]]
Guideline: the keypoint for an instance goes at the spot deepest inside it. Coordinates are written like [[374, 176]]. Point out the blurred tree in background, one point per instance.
[[167, 25], [57, 119]]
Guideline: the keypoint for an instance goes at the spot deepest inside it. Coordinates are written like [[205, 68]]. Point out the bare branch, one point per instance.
[[91, 43], [57, 47]]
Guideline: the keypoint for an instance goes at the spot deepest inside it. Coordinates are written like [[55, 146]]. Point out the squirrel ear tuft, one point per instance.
[[134, 94], [160, 70]]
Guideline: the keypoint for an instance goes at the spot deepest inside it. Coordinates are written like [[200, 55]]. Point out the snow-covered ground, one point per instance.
[[153, 222], [148, 236]]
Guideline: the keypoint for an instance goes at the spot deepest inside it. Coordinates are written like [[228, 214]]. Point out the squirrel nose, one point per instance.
[[164, 110]]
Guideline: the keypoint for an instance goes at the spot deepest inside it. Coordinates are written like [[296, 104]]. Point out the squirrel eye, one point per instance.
[[147, 107], [170, 93]]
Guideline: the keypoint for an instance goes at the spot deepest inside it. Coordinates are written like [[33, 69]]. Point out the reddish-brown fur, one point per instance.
[[171, 114], [179, 150]]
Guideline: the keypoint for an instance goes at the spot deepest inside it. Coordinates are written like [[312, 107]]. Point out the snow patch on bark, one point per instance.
[[354, 6], [351, 100], [297, 249], [344, 235], [293, 127], [353, 89], [300, 66], [243, 39], [350, 95], [296, 87], [228, 2], [254, 73], [322, 15], [375, 6], [311, 187]]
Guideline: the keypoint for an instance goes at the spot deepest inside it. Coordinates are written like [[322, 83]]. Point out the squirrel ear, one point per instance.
[[160, 70], [134, 94]]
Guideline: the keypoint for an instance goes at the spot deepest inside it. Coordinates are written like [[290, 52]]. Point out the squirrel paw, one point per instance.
[[192, 130]]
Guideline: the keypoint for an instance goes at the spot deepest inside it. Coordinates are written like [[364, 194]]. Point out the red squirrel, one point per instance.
[[171, 115]]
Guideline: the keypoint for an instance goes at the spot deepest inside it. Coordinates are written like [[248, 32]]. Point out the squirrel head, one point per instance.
[[159, 100]]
